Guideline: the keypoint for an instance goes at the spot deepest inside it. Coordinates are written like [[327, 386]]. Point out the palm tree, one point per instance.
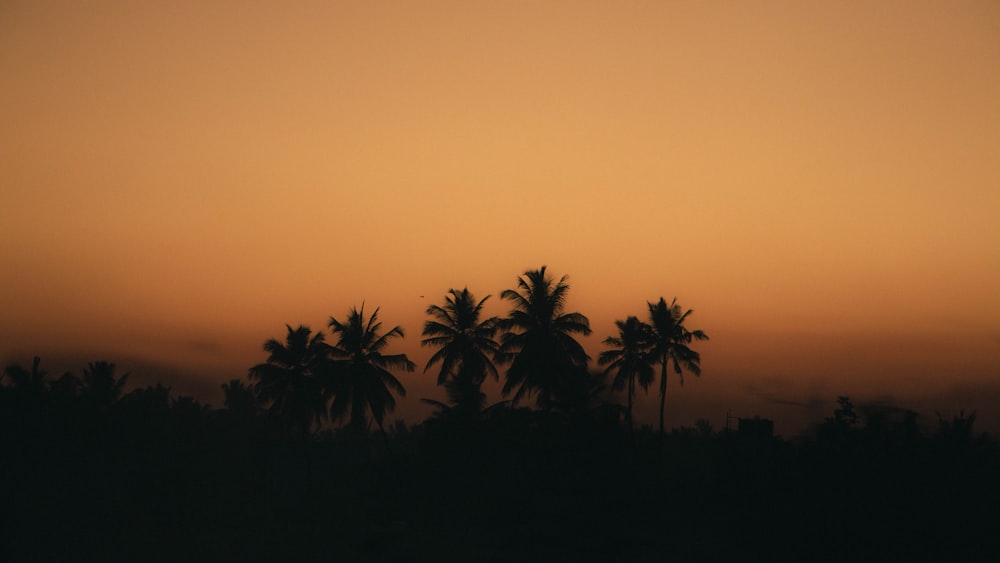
[[238, 398], [295, 377], [670, 341], [101, 387], [538, 339], [34, 381], [363, 383], [631, 356], [465, 345], [26, 396]]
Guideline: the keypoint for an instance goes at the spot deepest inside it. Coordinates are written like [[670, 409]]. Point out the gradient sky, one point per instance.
[[820, 181]]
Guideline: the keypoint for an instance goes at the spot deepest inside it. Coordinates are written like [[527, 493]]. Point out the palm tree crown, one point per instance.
[[670, 344], [18, 378], [100, 384], [538, 339], [465, 345], [363, 381], [631, 356], [295, 376]]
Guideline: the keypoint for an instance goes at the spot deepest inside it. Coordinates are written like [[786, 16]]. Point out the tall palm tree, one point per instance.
[[465, 345], [295, 377], [538, 339], [631, 356], [363, 383], [670, 344]]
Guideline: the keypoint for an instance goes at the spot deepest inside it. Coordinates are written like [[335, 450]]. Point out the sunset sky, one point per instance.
[[819, 181]]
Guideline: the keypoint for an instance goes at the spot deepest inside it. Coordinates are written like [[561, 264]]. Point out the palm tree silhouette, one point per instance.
[[538, 339], [34, 381], [363, 382], [101, 387], [631, 356], [465, 345], [239, 398], [295, 377], [670, 344]]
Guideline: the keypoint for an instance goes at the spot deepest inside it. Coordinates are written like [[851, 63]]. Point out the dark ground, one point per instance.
[[139, 484]]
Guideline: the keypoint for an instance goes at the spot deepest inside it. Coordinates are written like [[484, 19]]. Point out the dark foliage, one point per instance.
[[631, 356], [286, 471], [671, 341], [538, 340], [362, 383], [153, 477], [465, 347]]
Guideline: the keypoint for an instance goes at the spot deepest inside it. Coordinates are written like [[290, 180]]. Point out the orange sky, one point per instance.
[[819, 181]]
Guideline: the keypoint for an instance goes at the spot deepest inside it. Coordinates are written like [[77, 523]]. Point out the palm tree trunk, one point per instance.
[[385, 438], [663, 391], [631, 392], [359, 421], [306, 443]]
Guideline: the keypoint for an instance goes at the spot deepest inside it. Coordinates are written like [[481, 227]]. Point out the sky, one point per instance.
[[818, 181]]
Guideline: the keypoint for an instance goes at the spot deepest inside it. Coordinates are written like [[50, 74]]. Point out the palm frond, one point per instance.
[[399, 361]]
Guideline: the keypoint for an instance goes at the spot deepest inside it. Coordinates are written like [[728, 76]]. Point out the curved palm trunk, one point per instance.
[[663, 390]]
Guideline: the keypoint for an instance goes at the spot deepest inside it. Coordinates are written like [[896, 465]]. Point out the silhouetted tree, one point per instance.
[[363, 382], [25, 403], [150, 397], [538, 339], [704, 427], [295, 378], [632, 358], [958, 430], [239, 398], [68, 385], [670, 344], [100, 386], [16, 377], [465, 346], [844, 415], [585, 397]]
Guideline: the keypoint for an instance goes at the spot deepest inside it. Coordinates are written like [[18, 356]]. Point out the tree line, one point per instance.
[[90, 470], [306, 380], [348, 377]]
